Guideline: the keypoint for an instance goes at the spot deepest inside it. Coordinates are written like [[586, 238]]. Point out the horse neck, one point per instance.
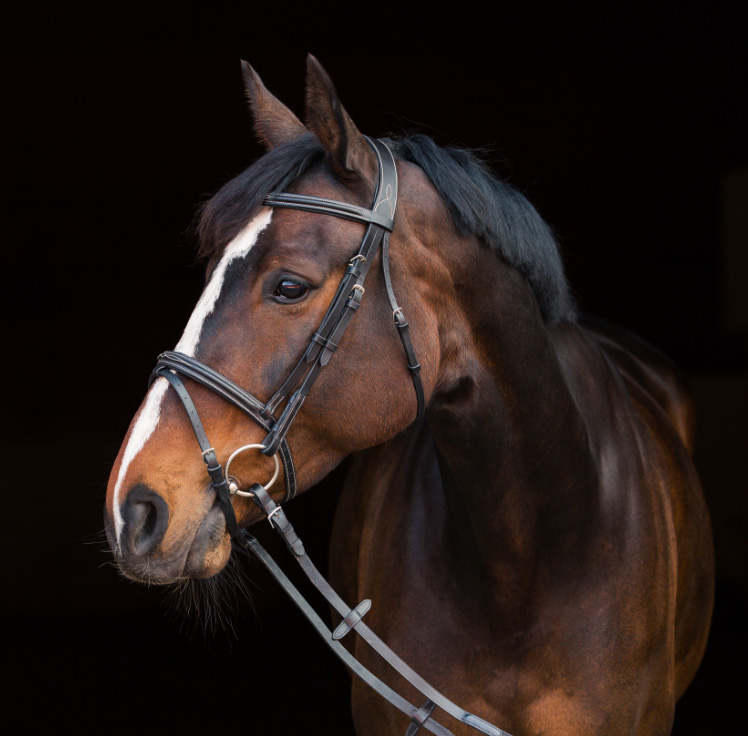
[[518, 479]]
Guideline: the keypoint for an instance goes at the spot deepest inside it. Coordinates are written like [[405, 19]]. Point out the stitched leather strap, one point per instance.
[[209, 454], [328, 207], [234, 394], [277, 518], [402, 330], [252, 545], [269, 507]]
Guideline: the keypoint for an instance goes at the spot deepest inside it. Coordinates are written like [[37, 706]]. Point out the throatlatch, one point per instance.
[[380, 221]]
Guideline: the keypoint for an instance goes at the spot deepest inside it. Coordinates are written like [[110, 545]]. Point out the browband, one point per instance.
[[328, 207]]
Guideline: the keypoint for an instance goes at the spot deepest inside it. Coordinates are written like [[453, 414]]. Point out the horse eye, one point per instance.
[[290, 291]]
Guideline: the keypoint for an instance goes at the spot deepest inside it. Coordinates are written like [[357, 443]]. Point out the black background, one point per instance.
[[620, 124]]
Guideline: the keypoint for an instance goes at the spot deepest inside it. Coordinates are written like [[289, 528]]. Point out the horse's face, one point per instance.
[[266, 293]]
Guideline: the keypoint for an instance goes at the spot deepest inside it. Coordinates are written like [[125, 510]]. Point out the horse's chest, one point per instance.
[[580, 663], [567, 669]]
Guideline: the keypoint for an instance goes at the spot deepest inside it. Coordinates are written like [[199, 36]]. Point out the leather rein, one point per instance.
[[171, 365]]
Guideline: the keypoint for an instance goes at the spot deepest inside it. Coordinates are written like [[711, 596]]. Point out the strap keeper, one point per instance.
[[325, 342], [354, 298], [421, 716], [400, 322], [352, 619], [354, 267]]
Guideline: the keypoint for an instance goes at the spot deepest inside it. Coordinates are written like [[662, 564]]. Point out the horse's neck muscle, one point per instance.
[[517, 474]]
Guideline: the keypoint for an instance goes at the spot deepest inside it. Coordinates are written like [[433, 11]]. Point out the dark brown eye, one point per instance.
[[289, 290]]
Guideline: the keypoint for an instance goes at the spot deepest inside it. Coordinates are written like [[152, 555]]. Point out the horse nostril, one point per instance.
[[148, 525], [146, 517]]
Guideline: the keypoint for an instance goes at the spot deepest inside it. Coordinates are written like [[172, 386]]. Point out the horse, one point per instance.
[[521, 505]]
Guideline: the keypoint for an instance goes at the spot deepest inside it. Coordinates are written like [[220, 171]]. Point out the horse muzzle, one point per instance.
[[155, 549]]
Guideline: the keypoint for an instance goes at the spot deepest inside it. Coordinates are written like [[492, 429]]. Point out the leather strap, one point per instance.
[[234, 394], [277, 518], [402, 330], [209, 454], [252, 545], [328, 207], [287, 532]]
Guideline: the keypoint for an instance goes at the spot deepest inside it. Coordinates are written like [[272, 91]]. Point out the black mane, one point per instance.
[[497, 213], [479, 203]]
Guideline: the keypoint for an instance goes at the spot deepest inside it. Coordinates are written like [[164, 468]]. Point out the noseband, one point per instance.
[[322, 345]]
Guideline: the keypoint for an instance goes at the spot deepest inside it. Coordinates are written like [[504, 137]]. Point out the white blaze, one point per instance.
[[148, 418]]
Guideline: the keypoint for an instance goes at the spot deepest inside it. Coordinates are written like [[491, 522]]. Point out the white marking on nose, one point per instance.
[[148, 417], [143, 429]]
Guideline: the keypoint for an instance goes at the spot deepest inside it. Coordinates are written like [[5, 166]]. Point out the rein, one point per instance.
[[324, 342]]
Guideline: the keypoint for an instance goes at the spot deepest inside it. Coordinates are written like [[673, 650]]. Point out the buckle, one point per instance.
[[272, 514]]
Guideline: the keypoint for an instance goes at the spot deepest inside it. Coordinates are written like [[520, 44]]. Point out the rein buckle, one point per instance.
[[272, 514]]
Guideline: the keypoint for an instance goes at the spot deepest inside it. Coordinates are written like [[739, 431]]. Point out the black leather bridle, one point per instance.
[[323, 343]]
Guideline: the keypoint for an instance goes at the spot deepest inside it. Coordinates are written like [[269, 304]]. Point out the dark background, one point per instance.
[[626, 126]]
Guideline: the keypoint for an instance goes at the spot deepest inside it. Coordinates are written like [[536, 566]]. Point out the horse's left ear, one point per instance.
[[348, 153]]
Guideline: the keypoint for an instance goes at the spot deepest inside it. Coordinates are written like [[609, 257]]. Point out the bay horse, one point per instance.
[[521, 504]]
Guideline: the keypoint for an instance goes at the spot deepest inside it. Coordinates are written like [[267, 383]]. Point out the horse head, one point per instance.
[[272, 274]]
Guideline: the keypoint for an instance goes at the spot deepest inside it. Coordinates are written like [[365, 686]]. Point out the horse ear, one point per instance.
[[348, 153], [275, 124]]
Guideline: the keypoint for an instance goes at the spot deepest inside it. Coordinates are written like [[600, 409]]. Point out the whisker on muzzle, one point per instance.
[[211, 604]]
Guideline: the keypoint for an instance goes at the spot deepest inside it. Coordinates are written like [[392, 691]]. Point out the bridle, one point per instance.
[[324, 341], [296, 387]]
